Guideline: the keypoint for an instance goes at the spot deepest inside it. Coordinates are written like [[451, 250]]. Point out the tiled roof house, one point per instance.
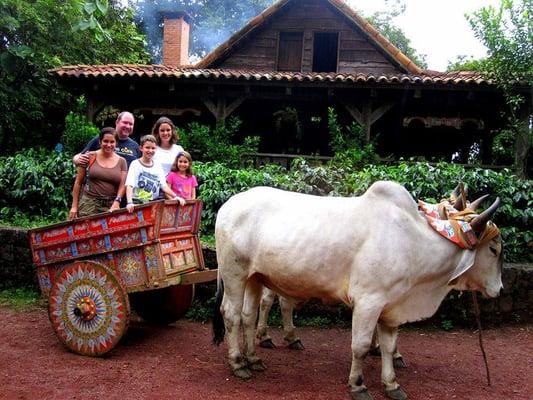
[[305, 55]]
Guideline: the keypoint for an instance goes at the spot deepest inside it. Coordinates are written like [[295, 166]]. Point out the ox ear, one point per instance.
[[467, 260]]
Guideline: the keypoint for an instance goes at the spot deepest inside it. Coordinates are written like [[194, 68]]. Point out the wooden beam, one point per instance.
[[210, 106], [93, 108], [199, 276], [366, 117], [170, 111], [378, 112], [220, 108], [354, 112], [233, 105]]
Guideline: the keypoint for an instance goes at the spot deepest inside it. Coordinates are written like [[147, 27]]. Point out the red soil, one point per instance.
[[179, 362]]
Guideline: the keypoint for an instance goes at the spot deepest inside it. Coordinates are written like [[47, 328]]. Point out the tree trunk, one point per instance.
[[523, 140]]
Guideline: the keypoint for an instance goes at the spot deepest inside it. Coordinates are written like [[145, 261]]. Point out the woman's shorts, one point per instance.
[[94, 205]]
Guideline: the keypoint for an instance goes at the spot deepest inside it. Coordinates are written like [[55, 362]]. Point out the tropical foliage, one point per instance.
[[423, 181], [217, 144], [507, 32], [42, 34], [35, 183], [35, 187], [384, 22]]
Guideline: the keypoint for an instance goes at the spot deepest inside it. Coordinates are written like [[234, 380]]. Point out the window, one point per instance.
[[290, 51], [325, 47]]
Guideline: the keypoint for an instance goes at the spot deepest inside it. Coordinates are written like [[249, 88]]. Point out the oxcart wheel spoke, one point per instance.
[[88, 308]]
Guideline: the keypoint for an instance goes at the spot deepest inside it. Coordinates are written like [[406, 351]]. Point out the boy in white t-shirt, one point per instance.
[[146, 177]]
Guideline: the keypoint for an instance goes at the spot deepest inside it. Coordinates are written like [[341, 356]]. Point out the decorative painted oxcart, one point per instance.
[[91, 268]]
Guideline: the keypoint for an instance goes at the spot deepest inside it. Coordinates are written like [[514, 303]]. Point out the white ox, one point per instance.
[[375, 253]]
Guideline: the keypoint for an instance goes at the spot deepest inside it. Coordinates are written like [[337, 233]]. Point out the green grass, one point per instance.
[[20, 298]]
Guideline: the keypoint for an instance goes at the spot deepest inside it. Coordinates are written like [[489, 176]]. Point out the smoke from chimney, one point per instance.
[[209, 26]]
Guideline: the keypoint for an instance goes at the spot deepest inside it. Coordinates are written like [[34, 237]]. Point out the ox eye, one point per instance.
[[493, 250]]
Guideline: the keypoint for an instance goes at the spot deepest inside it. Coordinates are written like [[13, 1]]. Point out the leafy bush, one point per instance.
[[35, 182], [349, 144], [35, 187], [503, 147], [215, 144], [430, 183], [217, 183], [78, 130]]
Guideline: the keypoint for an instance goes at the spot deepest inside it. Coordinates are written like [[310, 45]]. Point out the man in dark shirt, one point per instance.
[[126, 147]]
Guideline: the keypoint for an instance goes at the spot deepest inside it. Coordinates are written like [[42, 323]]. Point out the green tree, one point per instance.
[[43, 34], [383, 21], [507, 32], [465, 63]]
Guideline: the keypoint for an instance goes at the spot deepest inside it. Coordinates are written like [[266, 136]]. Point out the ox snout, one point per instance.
[[492, 292]]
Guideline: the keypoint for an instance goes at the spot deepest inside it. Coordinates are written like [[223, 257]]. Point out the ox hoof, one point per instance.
[[396, 394], [243, 373], [267, 344], [258, 365], [399, 363], [361, 395], [296, 345], [375, 351]]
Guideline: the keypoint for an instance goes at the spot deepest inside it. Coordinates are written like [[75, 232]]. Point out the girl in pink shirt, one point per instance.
[[180, 179]]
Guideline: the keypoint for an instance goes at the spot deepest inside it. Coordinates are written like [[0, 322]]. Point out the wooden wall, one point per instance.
[[356, 54]]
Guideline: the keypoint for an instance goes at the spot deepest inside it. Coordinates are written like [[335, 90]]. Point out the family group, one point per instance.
[[114, 171]]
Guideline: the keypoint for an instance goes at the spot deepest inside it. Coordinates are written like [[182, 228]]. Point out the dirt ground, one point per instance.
[[179, 362]]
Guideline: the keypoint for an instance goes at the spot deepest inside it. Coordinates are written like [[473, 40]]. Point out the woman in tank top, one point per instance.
[[104, 179]]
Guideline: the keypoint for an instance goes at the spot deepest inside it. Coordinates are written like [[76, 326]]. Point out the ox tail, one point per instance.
[[219, 330]]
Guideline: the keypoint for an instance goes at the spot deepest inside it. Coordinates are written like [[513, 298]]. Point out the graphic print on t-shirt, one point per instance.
[[147, 185], [124, 151]]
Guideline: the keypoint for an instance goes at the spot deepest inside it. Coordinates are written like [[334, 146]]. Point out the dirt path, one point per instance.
[[179, 362]]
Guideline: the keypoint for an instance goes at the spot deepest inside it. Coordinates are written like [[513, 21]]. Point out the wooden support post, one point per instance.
[[366, 117], [93, 108], [220, 109], [354, 111], [380, 111]]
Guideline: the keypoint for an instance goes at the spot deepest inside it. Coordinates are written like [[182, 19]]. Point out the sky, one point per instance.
[[436, 28]]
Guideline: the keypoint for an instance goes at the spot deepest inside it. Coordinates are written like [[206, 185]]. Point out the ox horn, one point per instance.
[[478, 224], [458, 205], [458, 198], [476, 203], [456, 193]]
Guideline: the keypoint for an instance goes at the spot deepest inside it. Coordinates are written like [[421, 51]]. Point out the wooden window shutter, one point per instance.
[[290, 51]]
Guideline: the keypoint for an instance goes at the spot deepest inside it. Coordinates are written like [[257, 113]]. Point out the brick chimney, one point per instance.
[[175, 38]]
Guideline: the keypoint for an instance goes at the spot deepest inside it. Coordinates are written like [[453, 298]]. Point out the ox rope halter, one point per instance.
[[455, 226]]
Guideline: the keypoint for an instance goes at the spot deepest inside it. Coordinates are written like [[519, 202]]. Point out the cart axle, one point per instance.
[[85, 309]]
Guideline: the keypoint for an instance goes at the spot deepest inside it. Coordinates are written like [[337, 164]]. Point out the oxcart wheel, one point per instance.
[[163, 306], [88, 308]]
